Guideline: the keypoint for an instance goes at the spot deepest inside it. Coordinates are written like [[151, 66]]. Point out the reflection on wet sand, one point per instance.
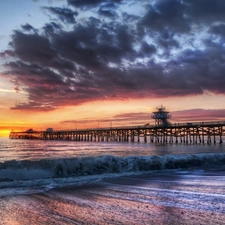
[[176, 198]]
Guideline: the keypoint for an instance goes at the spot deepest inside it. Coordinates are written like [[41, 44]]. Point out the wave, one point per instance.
[[24, 170], [53, 173]]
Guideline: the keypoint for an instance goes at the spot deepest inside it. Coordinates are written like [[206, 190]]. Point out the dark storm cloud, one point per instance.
[[90, 3], [179, 16], [205, 69], [51, 28], [66, 15], [92, 46], [148, 49], [79, 46], [119, 57], [166, 40], [80, 3], [166, 15], [218, 29], [32, 47], [205, 11]]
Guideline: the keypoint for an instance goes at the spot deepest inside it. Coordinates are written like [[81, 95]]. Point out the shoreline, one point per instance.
[[162, 198]]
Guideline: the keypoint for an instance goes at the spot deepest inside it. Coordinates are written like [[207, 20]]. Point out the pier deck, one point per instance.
[[199, 132]]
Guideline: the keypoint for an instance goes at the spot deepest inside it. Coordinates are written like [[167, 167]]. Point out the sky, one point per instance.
[[72, 64]]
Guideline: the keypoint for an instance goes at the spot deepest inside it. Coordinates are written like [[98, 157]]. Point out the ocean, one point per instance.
[[64, 182]]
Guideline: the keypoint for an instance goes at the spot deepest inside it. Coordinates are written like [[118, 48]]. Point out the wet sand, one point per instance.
[[164, 198]]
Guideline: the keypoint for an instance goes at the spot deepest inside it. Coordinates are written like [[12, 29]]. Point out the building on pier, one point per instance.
[[161, 117]]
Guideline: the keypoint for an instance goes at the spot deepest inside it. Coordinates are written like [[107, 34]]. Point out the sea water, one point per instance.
[[63, 182]]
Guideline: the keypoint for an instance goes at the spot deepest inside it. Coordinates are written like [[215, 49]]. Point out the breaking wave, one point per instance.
[[55, 173], [24, 170]]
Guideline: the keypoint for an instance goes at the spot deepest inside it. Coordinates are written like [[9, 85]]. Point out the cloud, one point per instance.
[[107, 13], [166, 15], [205, 11], [66, 15], [16, 89], [199, 115], [32, 47], [112, 53], [117, 120], [142, 118], [27, 27], [7, 53], [91, 3], [181, 15], [51, 28], [36, 106], [218, 29]]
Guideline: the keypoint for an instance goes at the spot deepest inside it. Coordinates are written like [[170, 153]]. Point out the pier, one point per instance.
[[161, 132]]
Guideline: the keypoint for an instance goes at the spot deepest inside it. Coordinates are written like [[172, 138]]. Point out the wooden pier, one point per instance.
[[200, 132], [162, 132]]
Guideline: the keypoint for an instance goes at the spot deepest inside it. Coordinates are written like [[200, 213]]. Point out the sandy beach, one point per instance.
[[160, 198]]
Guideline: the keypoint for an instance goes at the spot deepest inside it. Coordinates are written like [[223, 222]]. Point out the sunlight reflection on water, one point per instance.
[[38, 149]]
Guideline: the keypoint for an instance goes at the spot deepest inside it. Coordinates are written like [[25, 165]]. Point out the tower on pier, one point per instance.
[[161, 117]]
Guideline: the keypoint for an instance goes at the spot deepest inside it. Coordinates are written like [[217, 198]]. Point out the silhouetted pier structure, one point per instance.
[[202, 132], [162, 132]]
